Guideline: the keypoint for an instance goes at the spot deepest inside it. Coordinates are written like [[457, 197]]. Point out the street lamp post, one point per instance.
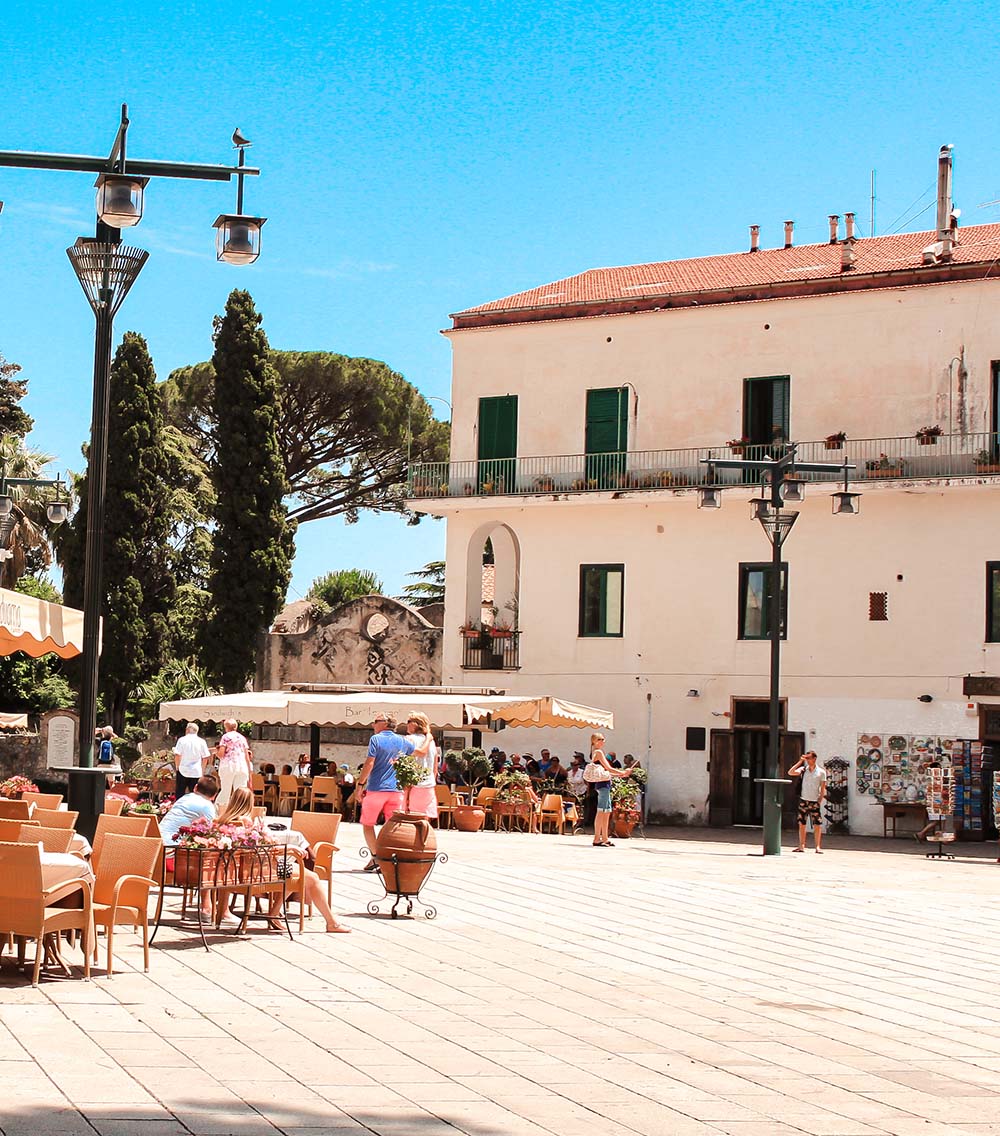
[[106, 270], [781, 485]]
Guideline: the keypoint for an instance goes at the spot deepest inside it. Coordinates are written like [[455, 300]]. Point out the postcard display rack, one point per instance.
[[835, 805], [941, 792], [967, 770]]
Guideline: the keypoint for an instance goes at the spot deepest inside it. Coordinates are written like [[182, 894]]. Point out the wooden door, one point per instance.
[[721, 778], [793, 746]]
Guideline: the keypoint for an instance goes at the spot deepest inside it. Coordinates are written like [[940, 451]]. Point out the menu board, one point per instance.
[[897, 767]]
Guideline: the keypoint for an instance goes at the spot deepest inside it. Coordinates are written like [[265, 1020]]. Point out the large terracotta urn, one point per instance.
[[468, 818], [410, 838]]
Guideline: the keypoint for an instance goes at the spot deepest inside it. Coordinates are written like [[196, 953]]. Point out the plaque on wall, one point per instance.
[[60, 749]]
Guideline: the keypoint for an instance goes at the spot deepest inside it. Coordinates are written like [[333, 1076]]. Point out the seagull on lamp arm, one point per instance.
[[239, 141]]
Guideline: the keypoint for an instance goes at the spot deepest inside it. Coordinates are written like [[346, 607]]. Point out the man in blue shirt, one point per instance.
[[377, 789], [192, 807]]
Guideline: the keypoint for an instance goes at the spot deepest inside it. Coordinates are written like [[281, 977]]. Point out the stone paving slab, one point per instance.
[[680, 985]]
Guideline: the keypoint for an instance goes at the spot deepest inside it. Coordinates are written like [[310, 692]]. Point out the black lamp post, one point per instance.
[[107, 269], [780, 484]]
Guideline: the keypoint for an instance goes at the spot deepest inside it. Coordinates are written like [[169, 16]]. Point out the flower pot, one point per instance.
[[833, 445], [468, 818], [413, 842], [623, 821], [495, 634], [927, 439], [193, 866], [470, 634]]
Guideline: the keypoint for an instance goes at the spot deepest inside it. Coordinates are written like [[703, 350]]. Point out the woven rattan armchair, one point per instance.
[[27, 909], [320, 829], [121, 894], [51, 839]]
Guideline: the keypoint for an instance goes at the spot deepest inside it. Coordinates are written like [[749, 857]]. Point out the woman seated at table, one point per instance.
[[239, 810]]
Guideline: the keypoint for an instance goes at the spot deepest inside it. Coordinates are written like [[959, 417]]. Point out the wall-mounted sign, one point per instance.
[[61, 748], [981, 684]]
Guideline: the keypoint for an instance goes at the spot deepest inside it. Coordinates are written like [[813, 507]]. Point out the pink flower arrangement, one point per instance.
[[14, 785], [221, 837]]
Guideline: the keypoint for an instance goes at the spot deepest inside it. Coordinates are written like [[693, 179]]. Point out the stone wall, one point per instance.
[[373, 640], [22, 754]]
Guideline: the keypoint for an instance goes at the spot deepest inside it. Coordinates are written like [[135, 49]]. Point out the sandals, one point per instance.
[[338, 929]]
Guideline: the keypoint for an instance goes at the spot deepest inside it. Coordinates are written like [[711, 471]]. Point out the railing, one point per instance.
[[488, 652], [874, 459]]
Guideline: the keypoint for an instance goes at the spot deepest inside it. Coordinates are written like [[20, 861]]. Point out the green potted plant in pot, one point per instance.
[[513, 793], [475, 769], [625, 794], [409, 773]]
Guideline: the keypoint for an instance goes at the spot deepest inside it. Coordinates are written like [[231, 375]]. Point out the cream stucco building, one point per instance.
[[582, 414]]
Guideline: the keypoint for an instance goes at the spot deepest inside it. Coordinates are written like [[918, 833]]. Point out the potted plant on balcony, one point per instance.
[[928, 435], [986, 462], [470, 629], [664, 479], [883, 466], [738, 445], [835, 441], [501, 629], [545, 483]]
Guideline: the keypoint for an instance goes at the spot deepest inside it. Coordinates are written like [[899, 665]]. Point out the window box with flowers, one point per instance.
[[835, 441], [928, 435]]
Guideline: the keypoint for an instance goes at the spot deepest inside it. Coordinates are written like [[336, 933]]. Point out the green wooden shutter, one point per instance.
[[606, 435], [779, 404], [497, 443]]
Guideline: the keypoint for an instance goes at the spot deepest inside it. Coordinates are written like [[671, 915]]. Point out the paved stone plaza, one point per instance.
[[680, 986]]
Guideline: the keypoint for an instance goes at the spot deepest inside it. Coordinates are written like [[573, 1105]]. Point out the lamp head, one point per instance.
[[120, 199]]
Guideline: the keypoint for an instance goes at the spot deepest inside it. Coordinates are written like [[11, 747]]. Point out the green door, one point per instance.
[[606, 439], [497, 443]]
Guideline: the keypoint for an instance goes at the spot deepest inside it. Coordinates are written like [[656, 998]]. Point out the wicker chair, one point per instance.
[[288, 792], [10, 830], [120, 826], [51, 839], [43, 800], [320, 829], [113, 806], [121, 894], [14, 810], [55, 818], [27, 909], [445, 803]]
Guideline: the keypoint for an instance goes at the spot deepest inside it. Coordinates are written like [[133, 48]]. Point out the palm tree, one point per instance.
[[24, 544]]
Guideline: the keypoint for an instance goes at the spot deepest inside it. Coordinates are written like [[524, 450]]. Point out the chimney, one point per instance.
[[755, 238], [789, 229], [849, 226], [847, 254], [834, 225], [940, 250]]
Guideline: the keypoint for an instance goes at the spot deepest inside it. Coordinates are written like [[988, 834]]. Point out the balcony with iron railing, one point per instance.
[[486, 650], [914, 458]]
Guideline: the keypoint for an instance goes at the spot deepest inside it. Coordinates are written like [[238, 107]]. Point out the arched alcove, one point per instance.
[[506, 575]]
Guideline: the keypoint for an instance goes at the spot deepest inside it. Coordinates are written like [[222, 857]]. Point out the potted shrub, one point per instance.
[[470, 629], [501, 629], [883, 466], [835, 441], [985, 462], [545, 483], [475, 768], [512, 799], [928, 435], [738, 445], [409, 772], [579, 484], [625, 793]]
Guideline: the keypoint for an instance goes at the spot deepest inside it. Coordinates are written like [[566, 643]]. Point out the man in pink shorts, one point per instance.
[[380, 796]]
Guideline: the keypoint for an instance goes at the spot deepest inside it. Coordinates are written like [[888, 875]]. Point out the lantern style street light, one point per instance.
[[779, 485], [106, 270]]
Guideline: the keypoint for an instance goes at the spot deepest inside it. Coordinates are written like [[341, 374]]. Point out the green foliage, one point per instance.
[[344, 585], [13, 420], [512, 785], [252, 553], [177, 679], [409, 770], [23, 533], [138, 581], [429, 587], [624, 793], [34, 685], [345, 427], [472, 763]]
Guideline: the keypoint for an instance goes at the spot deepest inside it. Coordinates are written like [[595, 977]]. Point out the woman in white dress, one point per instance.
[[423, 798]]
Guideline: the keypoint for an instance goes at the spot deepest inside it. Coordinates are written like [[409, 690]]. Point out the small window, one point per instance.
[[602, 596], [993, 601], [878, 607], [755, 605]]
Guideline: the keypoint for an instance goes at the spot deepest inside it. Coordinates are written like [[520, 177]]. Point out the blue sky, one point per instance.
[[419, 158]]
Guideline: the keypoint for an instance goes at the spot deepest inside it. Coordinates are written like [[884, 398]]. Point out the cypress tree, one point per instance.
[[252, 551], [138, 583]]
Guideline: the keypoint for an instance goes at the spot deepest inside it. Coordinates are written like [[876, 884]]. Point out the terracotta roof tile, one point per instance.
[[744, 270]]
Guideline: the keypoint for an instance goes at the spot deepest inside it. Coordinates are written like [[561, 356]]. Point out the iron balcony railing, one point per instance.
[[485, 651], [874, 459]]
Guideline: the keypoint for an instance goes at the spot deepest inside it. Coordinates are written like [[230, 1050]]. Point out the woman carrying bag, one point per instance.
[[599, 773]]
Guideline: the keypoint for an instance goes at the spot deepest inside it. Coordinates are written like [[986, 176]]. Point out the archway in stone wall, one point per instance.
[[504, 582]]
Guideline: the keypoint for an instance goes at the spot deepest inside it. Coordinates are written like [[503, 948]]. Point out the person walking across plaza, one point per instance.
[[235, 767], [810, 799], [377, 789], [190, 754]]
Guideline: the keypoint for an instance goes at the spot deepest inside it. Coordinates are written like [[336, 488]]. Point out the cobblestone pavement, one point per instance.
[[680, 985]]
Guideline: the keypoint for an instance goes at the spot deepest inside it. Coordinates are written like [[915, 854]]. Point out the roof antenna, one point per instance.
[[871, 219]]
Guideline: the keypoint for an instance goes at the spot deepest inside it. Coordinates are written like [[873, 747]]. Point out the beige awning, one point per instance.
[[445, 711], [37, 627], [13, 721]]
